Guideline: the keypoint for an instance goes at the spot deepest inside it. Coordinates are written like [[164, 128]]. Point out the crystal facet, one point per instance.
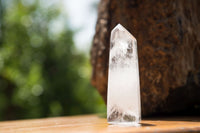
[[123, 102]]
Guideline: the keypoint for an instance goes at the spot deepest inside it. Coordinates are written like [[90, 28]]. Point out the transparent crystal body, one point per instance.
[[123, 101]]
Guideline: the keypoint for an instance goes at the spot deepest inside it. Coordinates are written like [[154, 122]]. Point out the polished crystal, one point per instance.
[[123, 101]]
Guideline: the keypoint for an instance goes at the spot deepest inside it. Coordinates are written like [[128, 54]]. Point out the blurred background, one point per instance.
[[44, 58]]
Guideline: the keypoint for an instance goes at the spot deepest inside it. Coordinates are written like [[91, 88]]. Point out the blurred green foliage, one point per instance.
[[42, 74]]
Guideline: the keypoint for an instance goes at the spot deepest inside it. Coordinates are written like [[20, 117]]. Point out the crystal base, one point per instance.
[[135, 124]]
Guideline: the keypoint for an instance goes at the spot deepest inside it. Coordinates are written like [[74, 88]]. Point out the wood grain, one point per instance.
[[93, 123]]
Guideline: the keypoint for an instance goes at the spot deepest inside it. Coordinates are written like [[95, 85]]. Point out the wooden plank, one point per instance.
[[93, 123]]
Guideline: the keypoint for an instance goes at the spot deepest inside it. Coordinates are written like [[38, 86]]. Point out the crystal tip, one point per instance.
[[119, 26], [122, 28]]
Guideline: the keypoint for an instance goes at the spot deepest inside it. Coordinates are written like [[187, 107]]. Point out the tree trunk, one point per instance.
[[168, 37]]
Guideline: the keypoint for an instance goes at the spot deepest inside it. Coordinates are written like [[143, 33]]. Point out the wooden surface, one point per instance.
[[93, 123]]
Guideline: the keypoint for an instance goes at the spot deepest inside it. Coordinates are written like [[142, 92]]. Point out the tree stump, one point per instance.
[[168, 36]]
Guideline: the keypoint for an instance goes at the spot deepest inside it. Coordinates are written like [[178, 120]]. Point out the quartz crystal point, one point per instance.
[[123, 102]]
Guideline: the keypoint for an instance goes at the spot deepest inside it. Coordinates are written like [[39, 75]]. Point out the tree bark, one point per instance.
[[168, 38]]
